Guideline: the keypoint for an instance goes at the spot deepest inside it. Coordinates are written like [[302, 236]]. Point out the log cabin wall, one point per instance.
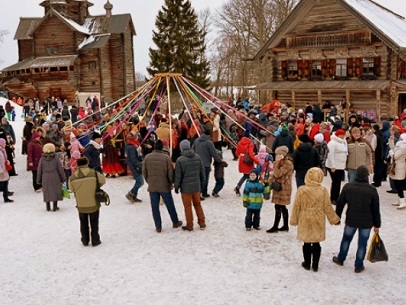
[[89, 72], [25, 49], [129, 85], [117, 66], [54, 38], [106, 90], [66, 90]]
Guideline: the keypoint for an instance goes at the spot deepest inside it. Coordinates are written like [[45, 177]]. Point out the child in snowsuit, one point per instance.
[[262, 157], [252, 200]]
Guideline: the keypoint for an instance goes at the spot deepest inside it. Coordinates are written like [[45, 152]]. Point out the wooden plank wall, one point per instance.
[[116, 58], [106, 80], [54, 33], [89, 79], [129, 72], [25, 49]]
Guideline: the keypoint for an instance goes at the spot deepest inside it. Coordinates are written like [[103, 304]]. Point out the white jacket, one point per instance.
[[337, 153]]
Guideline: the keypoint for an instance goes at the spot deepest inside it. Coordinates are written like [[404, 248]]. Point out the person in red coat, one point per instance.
[[244, 146]]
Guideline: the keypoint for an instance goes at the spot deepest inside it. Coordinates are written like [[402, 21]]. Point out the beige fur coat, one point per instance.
[[312, 205]]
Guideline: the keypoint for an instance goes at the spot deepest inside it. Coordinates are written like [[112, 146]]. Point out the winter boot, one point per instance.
[[237, 191], [285, 215], [396, 203], [307, 256], [316, 250], [402, 204], [48, 206], [55, 207], [274, 229], [130, 197]]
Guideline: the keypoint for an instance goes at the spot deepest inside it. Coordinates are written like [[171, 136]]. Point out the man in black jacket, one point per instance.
[[362, 214]]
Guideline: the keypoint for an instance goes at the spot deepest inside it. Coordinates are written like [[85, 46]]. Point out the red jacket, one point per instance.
[[243, 146]]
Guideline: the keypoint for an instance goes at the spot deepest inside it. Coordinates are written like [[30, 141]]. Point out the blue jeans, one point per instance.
[[139, 181], [242, 180], [219, 185], [363, 236], [168, 200], [351, 175], [205, 183]]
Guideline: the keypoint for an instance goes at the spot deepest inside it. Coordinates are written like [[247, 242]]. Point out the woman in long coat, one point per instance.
[[34, 154], [312, 205], [282, 172], [51, 175], [4, 176]]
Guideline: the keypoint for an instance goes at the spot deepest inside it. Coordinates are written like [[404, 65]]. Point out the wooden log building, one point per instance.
[[333, 50], [69, 51]]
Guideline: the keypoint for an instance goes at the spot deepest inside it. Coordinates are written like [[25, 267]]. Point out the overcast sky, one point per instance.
[[143, 13]]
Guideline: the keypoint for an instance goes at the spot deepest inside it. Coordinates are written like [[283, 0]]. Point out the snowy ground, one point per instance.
[[43, 261]]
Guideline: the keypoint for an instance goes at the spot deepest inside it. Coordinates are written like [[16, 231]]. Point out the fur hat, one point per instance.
[[362, 173], [319, 138], [184, 145], [48, 148], [282, 150]]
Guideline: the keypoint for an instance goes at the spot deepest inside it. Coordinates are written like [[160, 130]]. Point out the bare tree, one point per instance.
[[244, 26], [2, 34]]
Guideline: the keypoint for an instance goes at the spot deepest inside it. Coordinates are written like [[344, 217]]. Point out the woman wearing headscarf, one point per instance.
[[51, 176]]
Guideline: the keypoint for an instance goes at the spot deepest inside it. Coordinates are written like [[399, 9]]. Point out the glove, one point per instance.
[[245, 204], [176, 190]]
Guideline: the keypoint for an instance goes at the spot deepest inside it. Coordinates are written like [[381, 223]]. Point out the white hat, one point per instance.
[[319, 138]]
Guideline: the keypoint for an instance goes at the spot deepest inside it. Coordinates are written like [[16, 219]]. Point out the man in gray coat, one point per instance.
[[189, 172], [157, 170], [204, 147]]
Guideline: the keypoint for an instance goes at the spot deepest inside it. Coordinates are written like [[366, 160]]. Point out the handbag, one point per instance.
[[247, 159], [101, 196], [377, 251], [276, 186], [8, 165], [391, 168], [65, 192]]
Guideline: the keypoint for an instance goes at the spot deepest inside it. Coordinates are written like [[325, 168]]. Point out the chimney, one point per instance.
[[108, 7]]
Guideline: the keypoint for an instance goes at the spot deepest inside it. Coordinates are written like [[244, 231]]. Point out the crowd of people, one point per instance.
[[271, 143]]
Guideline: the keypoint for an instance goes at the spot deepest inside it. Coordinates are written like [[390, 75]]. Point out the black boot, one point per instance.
[[48, 206], [307, 256], [274, 229], [316, 250], [55, 207], [285, 215]]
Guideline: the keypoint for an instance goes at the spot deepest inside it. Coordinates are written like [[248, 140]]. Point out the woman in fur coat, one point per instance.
[[312, 205], [282, 173]]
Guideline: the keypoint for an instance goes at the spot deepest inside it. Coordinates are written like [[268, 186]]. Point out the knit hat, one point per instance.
[[284, 127], [2, 141], [340, 132], [96, 136], [282, 150], [255, 171], [48, 148], [319, 138], [184, 145], [362, 173], [66, 144]]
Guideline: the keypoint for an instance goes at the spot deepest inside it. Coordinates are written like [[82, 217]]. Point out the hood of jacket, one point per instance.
[[203, 138], [385, 125], [314, 177], [48, 156], [188, 153]]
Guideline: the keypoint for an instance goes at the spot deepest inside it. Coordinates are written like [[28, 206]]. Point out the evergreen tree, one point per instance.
[[180, 44]]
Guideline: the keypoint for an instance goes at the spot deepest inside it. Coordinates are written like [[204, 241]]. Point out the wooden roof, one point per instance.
[[25, 27], [324, 85], [46, 61], [365, 10]]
